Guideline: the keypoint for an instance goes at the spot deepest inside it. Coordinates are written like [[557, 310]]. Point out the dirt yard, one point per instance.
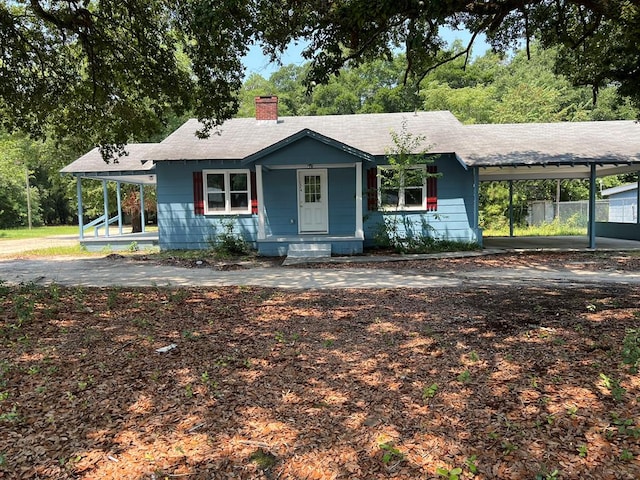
[[509, 383]]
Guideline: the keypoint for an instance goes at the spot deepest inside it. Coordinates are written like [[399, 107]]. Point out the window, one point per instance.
[[227, 191], [406, 190]]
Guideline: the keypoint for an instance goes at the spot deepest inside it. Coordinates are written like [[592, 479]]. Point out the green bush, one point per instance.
[[228, 243]]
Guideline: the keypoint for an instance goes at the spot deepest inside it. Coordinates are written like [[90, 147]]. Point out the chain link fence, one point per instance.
[[576, 213], [623, 210]]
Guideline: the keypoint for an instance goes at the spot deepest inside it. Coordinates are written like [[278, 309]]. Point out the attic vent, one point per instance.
[[267, 108]]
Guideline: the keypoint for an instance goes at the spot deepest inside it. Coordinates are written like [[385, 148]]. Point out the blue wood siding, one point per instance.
[[181, 228], [281, 201], [178, 226], [307, 151], [453, 220]]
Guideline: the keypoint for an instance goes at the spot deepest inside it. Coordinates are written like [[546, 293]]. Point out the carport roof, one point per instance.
[[551, 150]]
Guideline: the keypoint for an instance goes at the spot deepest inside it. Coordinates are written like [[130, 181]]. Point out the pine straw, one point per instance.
[[317, 385]]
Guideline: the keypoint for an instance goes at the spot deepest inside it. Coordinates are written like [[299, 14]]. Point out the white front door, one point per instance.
[[313, 202]]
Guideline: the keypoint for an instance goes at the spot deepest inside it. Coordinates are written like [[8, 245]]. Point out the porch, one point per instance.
[[118, 242]]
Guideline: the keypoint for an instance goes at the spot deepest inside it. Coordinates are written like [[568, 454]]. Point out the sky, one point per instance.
[[256, 62]]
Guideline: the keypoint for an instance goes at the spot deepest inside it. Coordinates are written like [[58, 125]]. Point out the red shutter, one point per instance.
[[198, 194], [432, 188], [372, 189], [254, 194]]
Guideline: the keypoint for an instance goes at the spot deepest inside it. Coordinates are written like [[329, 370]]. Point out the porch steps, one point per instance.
[[299, 252]]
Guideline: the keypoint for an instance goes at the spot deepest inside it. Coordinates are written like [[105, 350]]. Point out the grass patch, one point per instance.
[[60, 251], [37, 232], [553, 229]]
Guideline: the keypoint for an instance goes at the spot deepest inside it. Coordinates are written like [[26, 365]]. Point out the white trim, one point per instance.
[[309, 166], [324, 195], [227, 191], [260, 198], [401, 190], [359, 228]]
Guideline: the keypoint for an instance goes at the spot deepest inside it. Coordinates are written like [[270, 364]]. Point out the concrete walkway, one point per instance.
[[102, 272]]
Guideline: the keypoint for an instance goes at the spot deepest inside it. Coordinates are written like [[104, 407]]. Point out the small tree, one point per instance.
[[402, 185], [131, 205]]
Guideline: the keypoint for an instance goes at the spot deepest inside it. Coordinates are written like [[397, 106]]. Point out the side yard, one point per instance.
[[352, 384]]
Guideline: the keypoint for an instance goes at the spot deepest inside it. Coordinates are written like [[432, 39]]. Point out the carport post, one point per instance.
[[511, 208], [592, 207]]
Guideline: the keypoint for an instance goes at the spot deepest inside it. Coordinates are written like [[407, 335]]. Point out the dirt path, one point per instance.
[[11, 247]]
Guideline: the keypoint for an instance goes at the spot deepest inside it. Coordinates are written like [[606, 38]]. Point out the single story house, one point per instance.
[[324, 181]]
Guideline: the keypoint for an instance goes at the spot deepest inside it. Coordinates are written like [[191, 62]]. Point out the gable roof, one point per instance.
[[240, 138], [306, 133]]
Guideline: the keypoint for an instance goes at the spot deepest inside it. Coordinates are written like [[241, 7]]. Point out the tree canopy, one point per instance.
[[115, 71]]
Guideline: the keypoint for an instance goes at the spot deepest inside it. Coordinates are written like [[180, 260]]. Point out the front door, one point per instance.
[[313, 204]]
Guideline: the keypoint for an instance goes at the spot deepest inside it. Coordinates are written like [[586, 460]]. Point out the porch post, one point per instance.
[[260, 197], [511, 208], [80, 207], [119, 208], [592, 207], [105, 196], [142, 220], [359, 229]]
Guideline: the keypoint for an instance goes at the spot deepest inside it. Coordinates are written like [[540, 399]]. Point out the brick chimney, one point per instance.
[[267, 108]]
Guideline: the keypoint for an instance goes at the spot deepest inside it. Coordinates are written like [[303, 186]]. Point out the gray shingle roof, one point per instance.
[[240, 137], [491, 146], [131, 168], [550, 143], [92, 161]]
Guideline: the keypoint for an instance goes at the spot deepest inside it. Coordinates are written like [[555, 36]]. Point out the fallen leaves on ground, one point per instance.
[[347, 384]]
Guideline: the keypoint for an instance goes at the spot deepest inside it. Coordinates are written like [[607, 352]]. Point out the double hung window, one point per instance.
[[227, 191], [404, 189]]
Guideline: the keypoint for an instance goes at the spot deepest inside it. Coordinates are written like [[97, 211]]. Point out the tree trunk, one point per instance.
[[136, 224]]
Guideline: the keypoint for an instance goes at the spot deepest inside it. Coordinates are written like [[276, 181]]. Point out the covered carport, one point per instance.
[[557, 151]]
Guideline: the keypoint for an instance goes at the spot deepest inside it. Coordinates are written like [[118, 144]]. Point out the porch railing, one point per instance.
[[99, 223]]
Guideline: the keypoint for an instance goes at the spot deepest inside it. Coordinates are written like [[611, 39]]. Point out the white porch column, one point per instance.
[[142, 219], [118, 194], [80, 207], [260, 197], [105, 195], [359, 228]]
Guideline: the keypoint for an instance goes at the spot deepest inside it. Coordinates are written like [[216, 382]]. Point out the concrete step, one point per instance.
[[309, 250]]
